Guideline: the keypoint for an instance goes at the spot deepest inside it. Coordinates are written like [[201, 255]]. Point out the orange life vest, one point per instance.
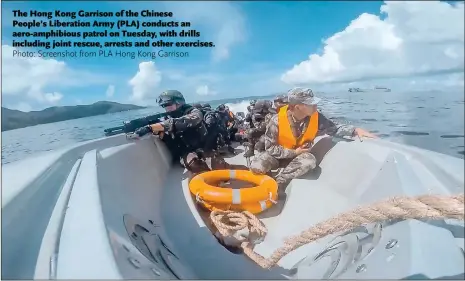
[[285, 136], [231, 115]]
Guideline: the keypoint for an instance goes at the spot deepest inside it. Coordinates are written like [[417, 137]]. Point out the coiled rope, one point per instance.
[[421, 207]]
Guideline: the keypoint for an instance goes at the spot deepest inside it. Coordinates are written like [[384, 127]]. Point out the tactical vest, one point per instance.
[[191, 138]]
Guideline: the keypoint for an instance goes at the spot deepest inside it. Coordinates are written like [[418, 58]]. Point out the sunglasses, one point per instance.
[[164, 99]]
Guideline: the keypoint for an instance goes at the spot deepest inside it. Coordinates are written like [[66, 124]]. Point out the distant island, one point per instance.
[[15, 119]]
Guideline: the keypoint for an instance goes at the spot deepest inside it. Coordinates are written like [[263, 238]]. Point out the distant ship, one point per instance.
[[382, 89], [375, 89]]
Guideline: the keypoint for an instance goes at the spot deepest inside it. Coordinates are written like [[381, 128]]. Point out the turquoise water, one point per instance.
[[431, 120]]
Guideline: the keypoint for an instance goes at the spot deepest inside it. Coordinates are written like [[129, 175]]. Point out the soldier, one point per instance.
[[290, 134], [248, 116], [252, 103], [226, 122], [214, 140], [206, 105], [184, 133], [261, 115], [232, 123], [279, 102]]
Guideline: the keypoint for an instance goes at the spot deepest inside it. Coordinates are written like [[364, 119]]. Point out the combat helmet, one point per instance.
[[169, 97]]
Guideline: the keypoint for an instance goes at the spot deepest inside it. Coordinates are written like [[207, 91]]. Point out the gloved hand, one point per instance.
[[143, 131]]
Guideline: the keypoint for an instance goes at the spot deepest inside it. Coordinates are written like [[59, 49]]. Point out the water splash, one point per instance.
[[239, 106]]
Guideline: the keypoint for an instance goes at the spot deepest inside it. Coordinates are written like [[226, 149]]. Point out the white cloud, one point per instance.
[[186, 80], [110, 91], [258, 80], [145, 82], [205, 91], [53, 97], [28, 75], [224, 20], [32, 78], [415, 38]]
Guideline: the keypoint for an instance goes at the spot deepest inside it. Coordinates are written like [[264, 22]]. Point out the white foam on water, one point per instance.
[[325, 105], [239, 106]]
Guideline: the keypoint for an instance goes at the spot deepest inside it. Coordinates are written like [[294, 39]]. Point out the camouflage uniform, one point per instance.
[[185, 134], [256, 135], [277, 156], [183, 122], [261, 116], [214, 139], [248, 116], [197, 161]]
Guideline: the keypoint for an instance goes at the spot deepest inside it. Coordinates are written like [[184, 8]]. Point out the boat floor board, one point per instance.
[[193, 240]]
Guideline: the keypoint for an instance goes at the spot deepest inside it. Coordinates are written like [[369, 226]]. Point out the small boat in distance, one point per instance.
[[375, 89], [383, 89]]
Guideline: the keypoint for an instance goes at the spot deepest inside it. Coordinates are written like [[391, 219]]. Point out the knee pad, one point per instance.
[[260, 146]]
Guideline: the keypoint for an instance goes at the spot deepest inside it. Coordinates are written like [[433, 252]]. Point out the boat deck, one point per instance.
[[130, 211]]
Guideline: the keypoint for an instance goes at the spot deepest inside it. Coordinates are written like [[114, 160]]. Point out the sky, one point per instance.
[[260, 48]]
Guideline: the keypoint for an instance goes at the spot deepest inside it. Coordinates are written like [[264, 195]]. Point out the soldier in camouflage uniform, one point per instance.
[[215, 127], [185, 134], [297, 161], [224, 120], [248, 116], [255, 136], [279, 102]]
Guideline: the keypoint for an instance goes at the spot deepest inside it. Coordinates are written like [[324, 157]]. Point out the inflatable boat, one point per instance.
[[115, 208]]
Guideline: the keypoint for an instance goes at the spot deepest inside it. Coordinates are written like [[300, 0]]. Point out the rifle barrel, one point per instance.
[[131, 126], [109, 130]]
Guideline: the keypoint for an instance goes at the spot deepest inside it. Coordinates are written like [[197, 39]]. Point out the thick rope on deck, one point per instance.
[[421, 207], [228, 222]]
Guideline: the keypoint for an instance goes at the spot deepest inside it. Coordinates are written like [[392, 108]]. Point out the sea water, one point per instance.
[[429, 120]]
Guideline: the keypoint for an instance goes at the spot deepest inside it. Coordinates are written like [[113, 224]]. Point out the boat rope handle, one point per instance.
[[271, 199], [198, 198], [422, 207]]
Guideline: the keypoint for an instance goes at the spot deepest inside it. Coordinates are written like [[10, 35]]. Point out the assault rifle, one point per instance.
[[130, 126]]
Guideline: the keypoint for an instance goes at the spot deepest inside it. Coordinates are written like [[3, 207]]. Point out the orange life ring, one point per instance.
[[253, 199]]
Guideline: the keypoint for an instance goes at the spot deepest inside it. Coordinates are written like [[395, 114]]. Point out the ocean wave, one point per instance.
[[239, 106]]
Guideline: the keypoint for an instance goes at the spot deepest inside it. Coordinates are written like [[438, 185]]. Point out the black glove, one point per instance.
[[143, 131]]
